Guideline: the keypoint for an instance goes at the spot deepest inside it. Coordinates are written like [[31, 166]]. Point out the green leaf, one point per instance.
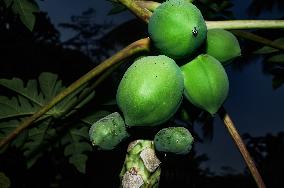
[[29, 141], [8, 2], [4, 181], [33, 97], [87, 99], [8, 126], [15, 107], [77, 144], [38, 137], [79, 161], [277, 82], [25, 9], [279, 59], [28, 92], [77, 140], [92, 118], [116, 8], [29, 98], [268, 49]]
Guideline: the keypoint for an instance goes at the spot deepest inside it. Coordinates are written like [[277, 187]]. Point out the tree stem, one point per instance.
[[135, 47], [241, 146], [245, 24]]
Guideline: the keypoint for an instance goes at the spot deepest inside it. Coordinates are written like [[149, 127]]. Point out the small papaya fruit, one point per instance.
[[174, 140], [177, 28], [150, 91], [108, 132], [206, 83], [222, 45]]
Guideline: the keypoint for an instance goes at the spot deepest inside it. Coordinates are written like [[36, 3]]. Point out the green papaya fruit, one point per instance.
[[222, 45], [150, 91], [206, 83], [108, 132], [173, 139], [177, 28]]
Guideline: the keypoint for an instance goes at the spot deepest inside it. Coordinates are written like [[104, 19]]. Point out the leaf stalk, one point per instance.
[[241, 146], [135, 47]]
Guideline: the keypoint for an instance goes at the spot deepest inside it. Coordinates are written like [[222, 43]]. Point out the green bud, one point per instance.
[[108, 132], [174, 139]]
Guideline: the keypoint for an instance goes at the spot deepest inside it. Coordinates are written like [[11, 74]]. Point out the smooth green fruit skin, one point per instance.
[[150, 91], [108, 132], [222, 45], [176, 140], [206, 83], [177, 28]]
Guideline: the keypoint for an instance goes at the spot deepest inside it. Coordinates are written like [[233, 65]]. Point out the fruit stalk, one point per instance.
[[135, 47], [245, 24], [143, 13], [141, 167], [150, 5], [258, 39], [241, 146]]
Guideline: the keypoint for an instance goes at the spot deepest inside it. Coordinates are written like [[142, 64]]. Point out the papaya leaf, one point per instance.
[[279, 59], [5, 182], [26, 9], [7, 126], [268, 50], [15, 107], [89, 95], [8, 2], [92, 118], [87, 99], [31, 97], [116, 8], [77, 140], [277, 82], [79, 161], [38, 137], [28, 92], [77, 144]]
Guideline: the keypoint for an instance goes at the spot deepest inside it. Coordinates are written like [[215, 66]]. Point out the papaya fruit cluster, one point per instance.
[[153, 87]]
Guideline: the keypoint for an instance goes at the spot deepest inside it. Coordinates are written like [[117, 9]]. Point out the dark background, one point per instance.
[[254, 105]]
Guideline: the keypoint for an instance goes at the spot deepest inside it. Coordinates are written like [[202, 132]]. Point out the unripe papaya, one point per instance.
[[150, 91], [108, 132], [206, 83], [173, 139], [177, 28], [222, 45]]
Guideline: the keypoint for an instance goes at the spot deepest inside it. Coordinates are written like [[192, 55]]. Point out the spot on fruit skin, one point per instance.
[[195, 32], [206, 83], [152, 91], [177, 28]]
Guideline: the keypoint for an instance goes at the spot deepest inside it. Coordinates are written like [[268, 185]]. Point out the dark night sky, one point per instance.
[[252, 103]]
